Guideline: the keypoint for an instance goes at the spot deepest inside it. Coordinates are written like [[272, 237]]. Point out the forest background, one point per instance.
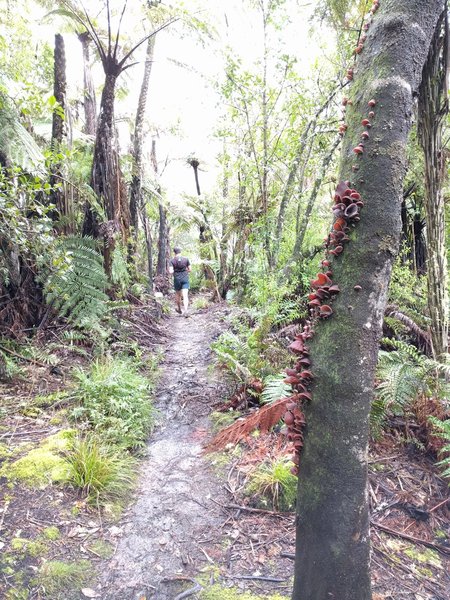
[[128, 128]]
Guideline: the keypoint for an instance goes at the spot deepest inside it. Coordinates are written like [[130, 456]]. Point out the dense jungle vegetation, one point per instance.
[[297, 153]]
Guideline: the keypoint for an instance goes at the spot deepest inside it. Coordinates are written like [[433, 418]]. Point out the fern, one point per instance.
[[405, 374], [443, 431], [275, 388], [77, 287]]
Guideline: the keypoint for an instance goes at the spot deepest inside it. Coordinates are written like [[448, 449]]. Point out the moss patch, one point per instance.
[[51, 533], [42, 465], [217, 592], [102, 548], [31, 547]]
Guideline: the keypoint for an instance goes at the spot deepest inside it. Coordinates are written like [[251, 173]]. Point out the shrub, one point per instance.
[[274, 485], [114, 400], [102, 472]]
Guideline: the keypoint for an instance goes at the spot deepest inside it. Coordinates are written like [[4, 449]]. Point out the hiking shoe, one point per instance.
[[178, 310], [185, 314]]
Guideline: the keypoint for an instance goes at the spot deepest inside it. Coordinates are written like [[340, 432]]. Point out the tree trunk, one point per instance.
[[90, 106], [332, 551], [106, 177], [136, 181], [433, 106], [58, 126], [162, 267], [296, 253]]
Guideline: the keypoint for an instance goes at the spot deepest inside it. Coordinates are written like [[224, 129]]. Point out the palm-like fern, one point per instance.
[[77, 286]]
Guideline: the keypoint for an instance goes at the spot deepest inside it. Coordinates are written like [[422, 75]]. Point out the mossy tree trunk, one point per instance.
[[58, 128], [89, 101], [433, 107], [332, 555]]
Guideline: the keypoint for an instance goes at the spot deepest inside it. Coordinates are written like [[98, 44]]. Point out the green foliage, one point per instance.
[[119, 269], [235, 354], [114, 400], [57, 578], [101, 471], [442, 430], [403, 375], [77, 285], [275, 388], [408, 291], [274, 485]]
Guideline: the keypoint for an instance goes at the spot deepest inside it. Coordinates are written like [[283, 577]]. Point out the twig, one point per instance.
[[197, 588], [256, 510], [257, 578], [440, 504], [289, 555], [411, 538], [31, 360]]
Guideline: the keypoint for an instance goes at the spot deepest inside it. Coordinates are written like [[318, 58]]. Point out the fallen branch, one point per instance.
[[410, 538]]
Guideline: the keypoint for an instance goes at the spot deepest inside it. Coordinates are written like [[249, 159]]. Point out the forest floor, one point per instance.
[[189, 525]]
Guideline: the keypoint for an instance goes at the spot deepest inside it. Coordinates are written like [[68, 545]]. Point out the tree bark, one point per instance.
[[90, 105], [332, 552], [136, 182], [433, 106], [58, 126]]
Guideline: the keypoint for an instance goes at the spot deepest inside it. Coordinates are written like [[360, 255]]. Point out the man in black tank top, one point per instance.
[[180, 267]]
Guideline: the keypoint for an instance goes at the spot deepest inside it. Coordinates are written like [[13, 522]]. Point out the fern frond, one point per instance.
[[275, 388], [77, 286]]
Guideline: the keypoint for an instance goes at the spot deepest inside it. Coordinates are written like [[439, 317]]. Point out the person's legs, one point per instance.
[[178, 301], [185, 292]]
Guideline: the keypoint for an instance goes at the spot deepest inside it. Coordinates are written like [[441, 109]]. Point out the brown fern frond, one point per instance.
[[263, 419], [422, 336]]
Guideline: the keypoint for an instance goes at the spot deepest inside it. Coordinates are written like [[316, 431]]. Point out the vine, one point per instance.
[[346, 210]]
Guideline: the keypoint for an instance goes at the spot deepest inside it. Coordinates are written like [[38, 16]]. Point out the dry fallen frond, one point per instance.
[[263, 419]]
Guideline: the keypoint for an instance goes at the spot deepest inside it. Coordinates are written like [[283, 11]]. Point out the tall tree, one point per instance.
[[332, 554], [433, 107], [136, 181], [58, 125], [89, 100]]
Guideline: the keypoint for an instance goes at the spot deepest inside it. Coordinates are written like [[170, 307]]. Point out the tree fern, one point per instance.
[[77, 286]]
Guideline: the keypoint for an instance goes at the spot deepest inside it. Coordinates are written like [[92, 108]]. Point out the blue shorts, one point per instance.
[[180, 285]]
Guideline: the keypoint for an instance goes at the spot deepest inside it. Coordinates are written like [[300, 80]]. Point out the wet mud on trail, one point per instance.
[[172, 529]]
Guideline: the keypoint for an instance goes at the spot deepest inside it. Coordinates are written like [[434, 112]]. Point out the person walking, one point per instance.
[[180, 267]]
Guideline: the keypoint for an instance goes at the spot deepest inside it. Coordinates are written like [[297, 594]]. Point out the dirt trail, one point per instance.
[[169, 532]]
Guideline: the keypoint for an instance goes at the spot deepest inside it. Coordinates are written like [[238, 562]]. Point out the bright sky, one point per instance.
[[182, 104]]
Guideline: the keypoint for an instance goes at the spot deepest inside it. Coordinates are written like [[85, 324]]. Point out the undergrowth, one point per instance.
[[272, 485], [102, 472], [114, 400]]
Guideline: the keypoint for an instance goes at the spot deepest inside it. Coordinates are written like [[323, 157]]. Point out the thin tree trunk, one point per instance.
[[433, 106], [136, 181], [332, 551], [58, 126], [163, 242], [303, 225], [89, 103]]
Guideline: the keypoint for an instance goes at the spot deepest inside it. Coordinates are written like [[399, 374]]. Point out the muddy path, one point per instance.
[[172, 529]]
